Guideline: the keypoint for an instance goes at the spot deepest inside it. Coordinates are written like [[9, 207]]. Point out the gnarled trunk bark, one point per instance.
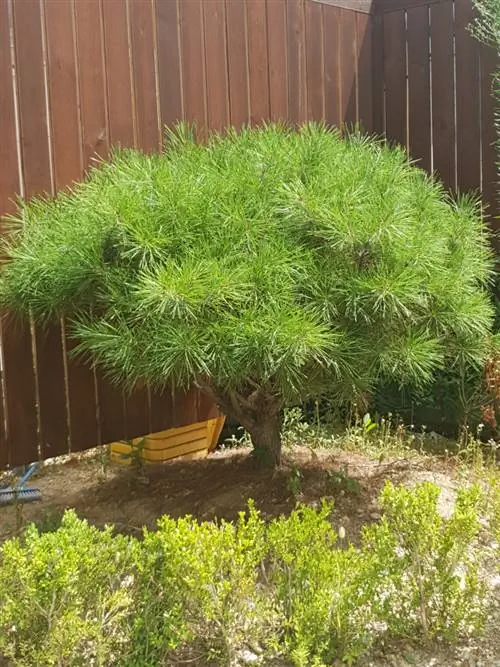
[[259, 412], [266, 438]]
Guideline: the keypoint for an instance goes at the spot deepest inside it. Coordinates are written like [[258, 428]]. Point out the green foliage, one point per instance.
[[200, 588], [209, 592], [258, 266], [323, 591], [431, 562], [66, 596]]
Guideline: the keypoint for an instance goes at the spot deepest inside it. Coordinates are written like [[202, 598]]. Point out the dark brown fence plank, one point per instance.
[[278, 67], [9, 180], [216, 64], [331, 41], [419, 97], [184, 408], [395, 77], [161, 410], [137, 417], [467, 95], [52, 392], [193, 68], [95, 141], [258, 66], [112, 411], [31, 91], [489, 64], [348, 66], [378, 80], [122, 130], [169, 65], [237, 53], [143, 63], [443, 96], [119, 77], [315, 62], [92, 85], [67, 166], [365, 71], [63, 92], [297, 83], [82, 403], [19, 367], [22, 435]]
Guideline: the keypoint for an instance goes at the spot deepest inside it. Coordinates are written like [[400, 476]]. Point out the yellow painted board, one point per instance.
[[193, 441]]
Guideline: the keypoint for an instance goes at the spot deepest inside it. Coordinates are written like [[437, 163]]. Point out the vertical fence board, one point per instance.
[[395, 76], [161, 410], [443, 95], [314, 62], [17, 343], [118, 79], [22, 436], [122, 122], [237, 53], [63, 92], [348, 66], [331, 42], [193, 69], [143, 62], [216, 58], [489, 64], [467, 95], [365, 71], [419, 98], [278, 66], [258, 66], [9, 180], [136, 414], [52, 392], [378, 77], [169, 65], [95, 142], [91, 80], [32, 101], [297, 85]]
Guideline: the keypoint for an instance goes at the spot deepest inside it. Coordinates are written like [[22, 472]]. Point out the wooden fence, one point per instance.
[[77, 76]]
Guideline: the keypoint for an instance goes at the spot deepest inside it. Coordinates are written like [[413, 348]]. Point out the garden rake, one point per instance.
[[17, 493]]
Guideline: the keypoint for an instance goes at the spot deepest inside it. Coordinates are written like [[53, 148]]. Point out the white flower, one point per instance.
[[342, 533], [128, 581]]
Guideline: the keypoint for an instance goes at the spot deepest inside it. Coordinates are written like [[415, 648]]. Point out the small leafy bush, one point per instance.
[[428, 567], [323, 592], [201, 588], [66, 597], [205, 593]]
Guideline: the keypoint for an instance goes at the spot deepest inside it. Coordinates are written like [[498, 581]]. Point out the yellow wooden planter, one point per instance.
[[194, 441]]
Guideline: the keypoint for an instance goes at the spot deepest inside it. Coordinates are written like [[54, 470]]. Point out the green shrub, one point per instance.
[[208, 592], [201, 589], [66, 597], [257, 267], [324, 592], [428, 567]]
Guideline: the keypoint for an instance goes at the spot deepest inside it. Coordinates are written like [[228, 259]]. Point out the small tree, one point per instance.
[[265, 268]]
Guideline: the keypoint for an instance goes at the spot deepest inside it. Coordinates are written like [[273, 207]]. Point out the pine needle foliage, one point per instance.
[[266, 267]]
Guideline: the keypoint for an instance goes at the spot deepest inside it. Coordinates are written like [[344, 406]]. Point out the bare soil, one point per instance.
[[220, 486]]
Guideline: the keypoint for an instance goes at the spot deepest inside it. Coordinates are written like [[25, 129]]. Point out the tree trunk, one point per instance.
[[259, 411], [266, 439]]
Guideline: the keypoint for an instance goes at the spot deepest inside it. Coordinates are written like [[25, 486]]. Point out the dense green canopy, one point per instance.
[[291, 263]]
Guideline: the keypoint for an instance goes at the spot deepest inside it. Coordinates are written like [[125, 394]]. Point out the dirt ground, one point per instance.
[[217, 487], [220, 486]]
